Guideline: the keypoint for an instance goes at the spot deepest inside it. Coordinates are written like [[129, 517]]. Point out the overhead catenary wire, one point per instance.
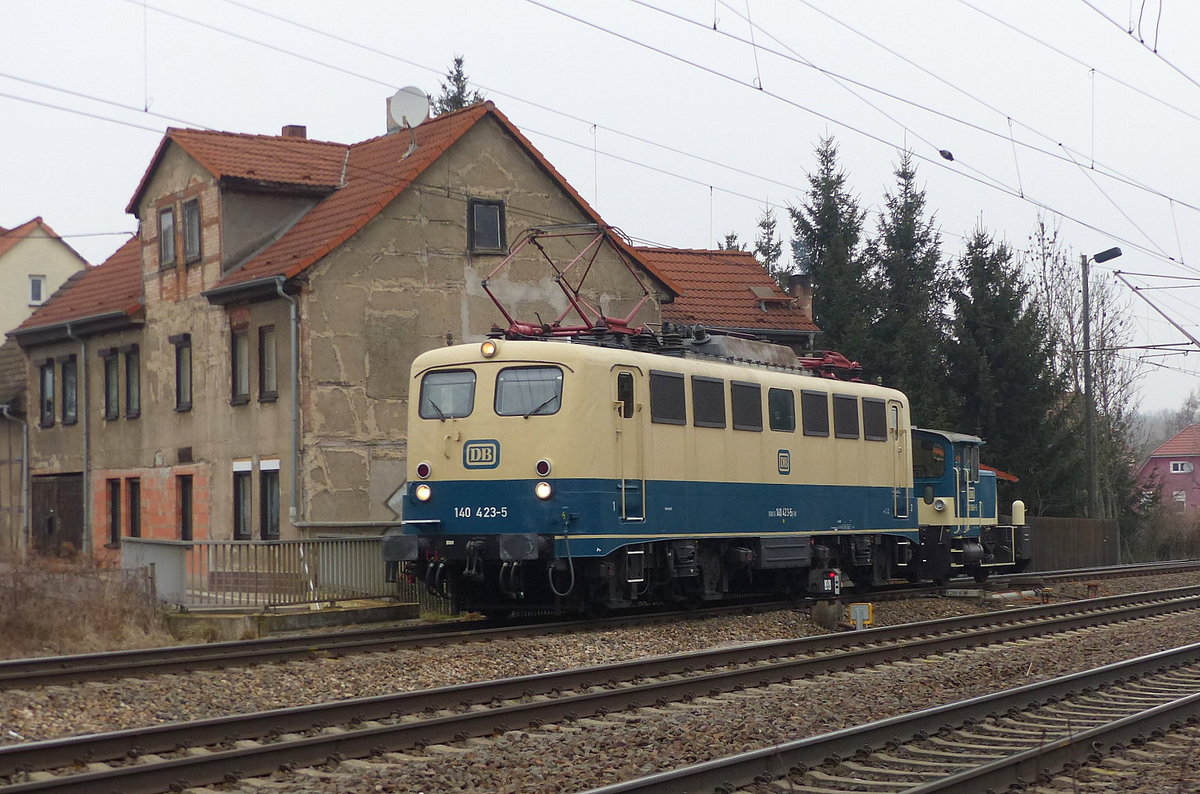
[[1173, 66]]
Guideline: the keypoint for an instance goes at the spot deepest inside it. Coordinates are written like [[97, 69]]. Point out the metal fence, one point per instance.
[[263, 574]]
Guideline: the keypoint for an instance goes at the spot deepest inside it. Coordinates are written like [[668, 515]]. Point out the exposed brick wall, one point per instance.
[[159, 504]]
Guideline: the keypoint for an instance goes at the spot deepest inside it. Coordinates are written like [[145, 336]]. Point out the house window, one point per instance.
[[112, 383], [1181, 467], [781, 405], [241, 500], [745, 399], [133, 381], [166, 237], [46, 379], [114, 512], [183, 371], [183, 484], [191, 230], [485, 226], [1179, 496], [269, 495], [70, 391], [667, 403], [845, 416], [37, 290], [814, 407], [133, 492], [268, 384], [239, 368]]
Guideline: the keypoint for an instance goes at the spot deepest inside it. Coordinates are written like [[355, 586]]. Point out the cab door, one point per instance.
[[901, 459], [627, 408]]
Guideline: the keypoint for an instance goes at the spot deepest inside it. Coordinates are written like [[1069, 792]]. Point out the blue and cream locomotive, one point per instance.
[[573, 474]]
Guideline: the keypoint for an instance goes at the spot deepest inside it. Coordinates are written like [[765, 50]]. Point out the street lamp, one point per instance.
[[1093, 500]]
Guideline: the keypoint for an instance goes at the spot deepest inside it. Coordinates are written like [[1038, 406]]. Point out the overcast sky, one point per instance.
[[680, 121]]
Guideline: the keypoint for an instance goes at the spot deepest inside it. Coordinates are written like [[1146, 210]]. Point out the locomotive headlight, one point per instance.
[[423, 493], [543, 490], [489, 348], [939, 504]]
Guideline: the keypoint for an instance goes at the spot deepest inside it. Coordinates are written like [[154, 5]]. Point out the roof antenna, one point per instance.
[[407, 108]]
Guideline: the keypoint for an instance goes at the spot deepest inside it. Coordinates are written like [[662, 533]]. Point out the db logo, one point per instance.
[[484, 454], [784, 461]]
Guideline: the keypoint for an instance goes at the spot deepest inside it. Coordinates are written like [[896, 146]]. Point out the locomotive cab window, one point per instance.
[[781, 406], [746, 401], [667, 403], [708, 401], [814, 406], [448, 394], [929, 460], [529, 391], [874, 419], [845, 416]]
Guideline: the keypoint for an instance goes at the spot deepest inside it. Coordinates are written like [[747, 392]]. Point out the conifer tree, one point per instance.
[[999, 365], [769, 248], [827, 228], [455, 93], [730, 243], [909, 340]]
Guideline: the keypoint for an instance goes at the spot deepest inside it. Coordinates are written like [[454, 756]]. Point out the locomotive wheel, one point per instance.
[[979, 574]]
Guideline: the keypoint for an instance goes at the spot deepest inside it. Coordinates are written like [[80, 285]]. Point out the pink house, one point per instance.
[[1174, 468]]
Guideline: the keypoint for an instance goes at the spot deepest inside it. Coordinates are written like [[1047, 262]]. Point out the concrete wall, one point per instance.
[[406, 284], [37, 254]]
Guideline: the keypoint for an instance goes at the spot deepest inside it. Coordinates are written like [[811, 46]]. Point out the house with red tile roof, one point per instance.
[[34, 262], [731, 291], [1174, 470], [240, 369]]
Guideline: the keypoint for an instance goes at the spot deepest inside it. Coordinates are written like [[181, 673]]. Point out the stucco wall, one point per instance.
[[406, 284], [1158, 470], [36, 255]]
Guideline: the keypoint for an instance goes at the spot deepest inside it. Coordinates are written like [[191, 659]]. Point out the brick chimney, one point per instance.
[[800, 288], [295, 131]]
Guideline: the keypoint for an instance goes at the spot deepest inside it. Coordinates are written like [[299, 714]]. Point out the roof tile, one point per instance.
[[726, 289], [1185, 443], [115, 286]]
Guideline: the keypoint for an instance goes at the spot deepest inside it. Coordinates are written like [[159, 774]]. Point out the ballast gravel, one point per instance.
[[55, 711]]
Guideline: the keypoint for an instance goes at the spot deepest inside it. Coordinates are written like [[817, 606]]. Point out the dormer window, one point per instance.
[[166, 237], [485, 226], [191, 230]]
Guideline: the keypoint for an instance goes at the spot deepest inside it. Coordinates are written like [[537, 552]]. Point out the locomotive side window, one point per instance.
[[814, 406], [845, 416], [746, 401], [929, 459], [667, 403], [708, 401], [447, 394], [529, 391], [625, 394], [781, 405], [874, 419]]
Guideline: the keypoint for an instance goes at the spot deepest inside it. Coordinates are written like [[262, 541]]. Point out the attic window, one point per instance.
[[485, 226], [166, 237], [191, 230], [1181, 467], [37, 290]]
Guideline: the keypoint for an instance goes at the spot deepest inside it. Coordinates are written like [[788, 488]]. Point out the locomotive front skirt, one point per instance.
[[572, 475]]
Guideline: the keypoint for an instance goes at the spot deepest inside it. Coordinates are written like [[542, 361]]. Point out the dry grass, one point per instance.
[[53, 606]]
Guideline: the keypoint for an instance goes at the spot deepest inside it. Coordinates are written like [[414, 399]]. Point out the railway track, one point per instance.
[[20, 673], [150, 760], [988, 743]]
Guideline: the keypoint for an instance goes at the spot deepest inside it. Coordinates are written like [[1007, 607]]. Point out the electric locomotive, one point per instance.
[[596, 472]]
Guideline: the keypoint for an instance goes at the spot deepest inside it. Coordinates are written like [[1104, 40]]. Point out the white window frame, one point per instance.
[[37, 290], [1181, 467]]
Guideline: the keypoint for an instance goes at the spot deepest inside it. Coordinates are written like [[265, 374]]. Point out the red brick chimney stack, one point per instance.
[[295, 131]]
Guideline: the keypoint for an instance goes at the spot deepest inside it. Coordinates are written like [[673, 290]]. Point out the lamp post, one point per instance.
[[1093, 496]]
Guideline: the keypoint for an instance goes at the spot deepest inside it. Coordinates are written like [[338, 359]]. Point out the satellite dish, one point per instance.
[[409, 106]]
